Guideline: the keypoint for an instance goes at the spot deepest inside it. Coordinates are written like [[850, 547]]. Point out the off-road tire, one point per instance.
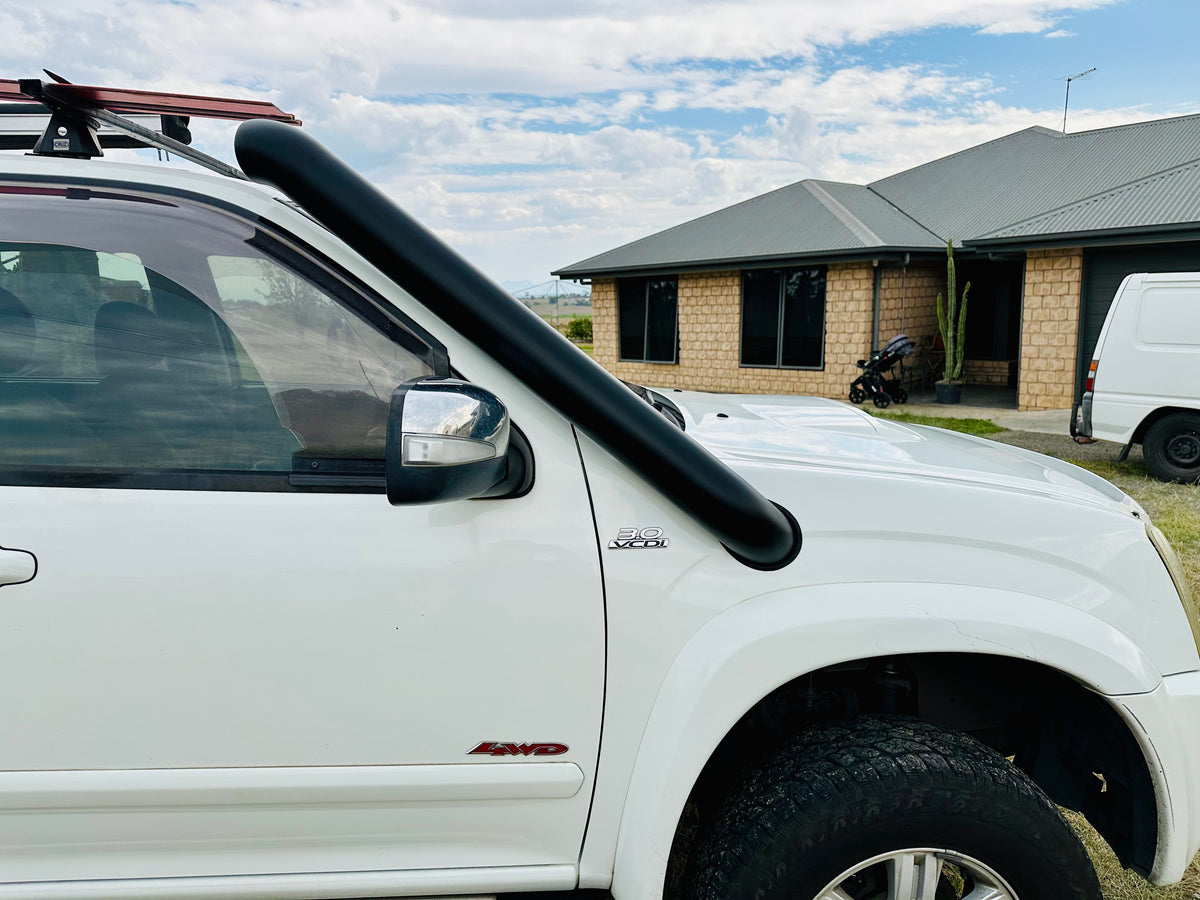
[[1171, 448], [843, 793]]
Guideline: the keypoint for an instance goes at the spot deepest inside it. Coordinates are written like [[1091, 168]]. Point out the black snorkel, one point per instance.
[[754, 530]]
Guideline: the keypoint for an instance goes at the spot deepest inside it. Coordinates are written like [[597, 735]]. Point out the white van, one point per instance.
[[1143, 385]]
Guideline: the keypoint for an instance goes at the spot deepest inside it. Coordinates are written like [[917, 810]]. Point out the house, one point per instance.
[[782, 293]]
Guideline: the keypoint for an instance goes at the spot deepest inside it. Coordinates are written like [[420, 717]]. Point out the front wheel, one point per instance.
[[887, 808], [1171, 448]]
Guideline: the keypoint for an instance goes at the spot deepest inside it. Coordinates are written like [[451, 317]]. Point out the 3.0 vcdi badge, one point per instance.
[[639, 539]]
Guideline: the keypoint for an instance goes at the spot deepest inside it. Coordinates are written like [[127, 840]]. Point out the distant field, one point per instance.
[[566, 310]]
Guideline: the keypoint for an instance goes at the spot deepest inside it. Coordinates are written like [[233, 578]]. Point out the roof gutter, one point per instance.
[[864, 254], [1136, 234], [757, 532]]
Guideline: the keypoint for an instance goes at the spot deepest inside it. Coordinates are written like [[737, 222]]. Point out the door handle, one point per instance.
[[17, 566]]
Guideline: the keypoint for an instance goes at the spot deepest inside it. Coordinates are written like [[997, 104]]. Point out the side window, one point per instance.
[[145, 339], [1169, 316], [648, 319], [783, 318]]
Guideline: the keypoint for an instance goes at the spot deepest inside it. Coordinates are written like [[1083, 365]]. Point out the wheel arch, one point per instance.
[[765, 646], [1156, 416]]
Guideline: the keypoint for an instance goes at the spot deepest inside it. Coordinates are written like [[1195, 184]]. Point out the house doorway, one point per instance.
[[993, 347]]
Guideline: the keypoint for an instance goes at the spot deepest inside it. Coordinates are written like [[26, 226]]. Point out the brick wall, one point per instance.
[[988, 371], [908, 304], [907, 300], [1049, 326], [709, 322], [709, 317]]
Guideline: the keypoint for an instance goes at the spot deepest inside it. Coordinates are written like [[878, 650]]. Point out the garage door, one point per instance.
[[1103, 270]]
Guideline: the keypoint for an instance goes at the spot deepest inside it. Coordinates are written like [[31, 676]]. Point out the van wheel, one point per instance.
[[1171, 448], [889, 808]]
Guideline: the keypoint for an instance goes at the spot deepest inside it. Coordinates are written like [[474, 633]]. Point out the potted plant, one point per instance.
[[952, 323]]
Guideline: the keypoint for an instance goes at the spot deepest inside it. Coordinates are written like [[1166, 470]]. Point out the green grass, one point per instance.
[[1122, 884], [967, 426], [1175, 508]]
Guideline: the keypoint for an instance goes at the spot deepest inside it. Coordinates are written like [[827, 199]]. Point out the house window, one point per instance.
[[783, 318], [648, 318]]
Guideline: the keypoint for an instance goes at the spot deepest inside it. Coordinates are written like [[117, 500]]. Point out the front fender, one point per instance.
[[744, 653]]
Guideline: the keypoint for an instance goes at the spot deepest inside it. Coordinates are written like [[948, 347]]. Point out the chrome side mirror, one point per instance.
[[446, 440]]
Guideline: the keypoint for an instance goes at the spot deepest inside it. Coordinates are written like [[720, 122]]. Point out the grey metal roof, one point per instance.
[[1165, 198], [1016, 177], [803, 219], [1028, 180]]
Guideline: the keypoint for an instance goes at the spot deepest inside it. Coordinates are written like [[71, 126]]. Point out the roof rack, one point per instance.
[[84, 119]]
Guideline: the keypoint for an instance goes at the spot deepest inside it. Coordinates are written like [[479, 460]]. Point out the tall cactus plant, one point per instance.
[[952, 322]]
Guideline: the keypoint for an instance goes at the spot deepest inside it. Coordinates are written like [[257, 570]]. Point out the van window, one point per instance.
[[1170, 314]]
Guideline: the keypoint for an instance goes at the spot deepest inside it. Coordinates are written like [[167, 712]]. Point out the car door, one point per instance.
[[221, 651]]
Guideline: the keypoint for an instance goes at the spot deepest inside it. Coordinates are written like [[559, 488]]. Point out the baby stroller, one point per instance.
[[872, 383]]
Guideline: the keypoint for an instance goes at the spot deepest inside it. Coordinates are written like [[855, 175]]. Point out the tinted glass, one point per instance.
[[631, 318], [148, 335], [803, 317], [760, 318], [660, 331]]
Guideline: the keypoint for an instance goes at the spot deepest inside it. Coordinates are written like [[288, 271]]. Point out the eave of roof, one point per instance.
[[808, 219], [888, 254]]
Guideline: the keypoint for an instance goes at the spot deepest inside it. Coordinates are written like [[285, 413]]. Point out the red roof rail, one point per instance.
[[83, 96], [76, 110], [88, 97]]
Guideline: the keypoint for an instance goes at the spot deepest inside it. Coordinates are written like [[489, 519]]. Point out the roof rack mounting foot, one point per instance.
[[71, 132]]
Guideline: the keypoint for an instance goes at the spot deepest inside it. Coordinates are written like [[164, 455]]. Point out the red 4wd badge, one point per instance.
[[497, 748]]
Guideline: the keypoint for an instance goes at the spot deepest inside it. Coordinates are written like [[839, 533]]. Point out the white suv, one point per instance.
[[650, 643]]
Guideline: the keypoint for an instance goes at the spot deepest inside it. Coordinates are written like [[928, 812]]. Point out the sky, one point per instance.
[[531, 134]]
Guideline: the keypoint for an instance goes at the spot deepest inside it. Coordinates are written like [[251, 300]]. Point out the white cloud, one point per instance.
[[1060, 33], [532, 133], [1023, 23]]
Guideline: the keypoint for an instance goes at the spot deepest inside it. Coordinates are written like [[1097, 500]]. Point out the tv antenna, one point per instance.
[[1068, 97]]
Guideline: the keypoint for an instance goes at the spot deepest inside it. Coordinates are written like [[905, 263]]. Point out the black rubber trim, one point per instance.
[[742, 519], [190, 480]]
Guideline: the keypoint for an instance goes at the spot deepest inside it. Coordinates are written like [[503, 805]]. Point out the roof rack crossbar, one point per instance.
[[77, 110]]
